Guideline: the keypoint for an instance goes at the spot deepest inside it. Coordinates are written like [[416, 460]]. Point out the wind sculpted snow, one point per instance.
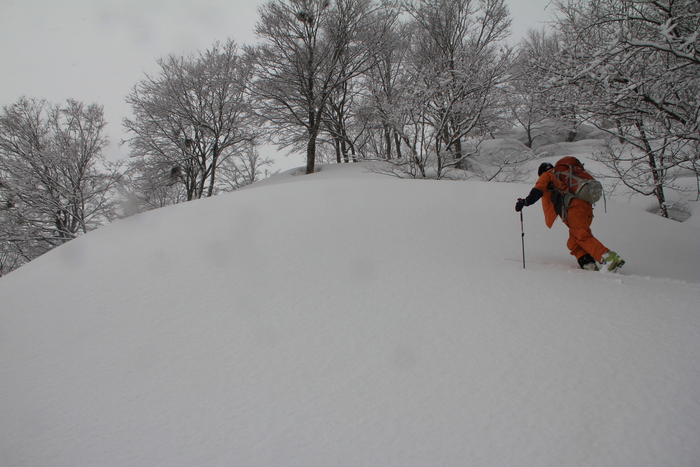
[[347, 318]]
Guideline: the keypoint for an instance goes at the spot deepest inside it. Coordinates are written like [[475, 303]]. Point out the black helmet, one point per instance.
[[545, 166]]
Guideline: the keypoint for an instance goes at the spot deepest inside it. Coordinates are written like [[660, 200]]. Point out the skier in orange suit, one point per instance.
[[577, 216]]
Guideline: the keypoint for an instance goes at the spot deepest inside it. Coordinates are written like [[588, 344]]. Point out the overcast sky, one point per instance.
[[97, 50]]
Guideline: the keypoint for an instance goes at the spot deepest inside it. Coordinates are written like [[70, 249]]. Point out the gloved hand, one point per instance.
[[520, 204]]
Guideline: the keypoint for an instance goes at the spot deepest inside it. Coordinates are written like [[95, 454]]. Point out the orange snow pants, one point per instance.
[[581, 240]]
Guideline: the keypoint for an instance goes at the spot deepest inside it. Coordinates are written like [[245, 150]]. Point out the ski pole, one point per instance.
[[522, 236]]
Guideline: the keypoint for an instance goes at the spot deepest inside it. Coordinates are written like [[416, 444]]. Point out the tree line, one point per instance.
[[416, 83]]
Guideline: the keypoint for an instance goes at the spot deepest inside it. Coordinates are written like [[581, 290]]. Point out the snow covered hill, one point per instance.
[[346, 318]]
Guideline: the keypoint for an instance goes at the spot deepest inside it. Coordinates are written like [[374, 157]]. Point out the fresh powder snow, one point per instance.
[[348, 318]]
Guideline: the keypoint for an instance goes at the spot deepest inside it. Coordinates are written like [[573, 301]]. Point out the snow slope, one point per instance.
[[346, 318]]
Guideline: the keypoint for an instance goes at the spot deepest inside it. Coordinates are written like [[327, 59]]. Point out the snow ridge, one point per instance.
[[347, 318]]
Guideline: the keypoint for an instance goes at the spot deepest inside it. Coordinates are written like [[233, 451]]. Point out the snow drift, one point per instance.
[[346, 318]]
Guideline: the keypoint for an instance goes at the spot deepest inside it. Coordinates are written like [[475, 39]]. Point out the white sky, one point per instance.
[[97, 50]]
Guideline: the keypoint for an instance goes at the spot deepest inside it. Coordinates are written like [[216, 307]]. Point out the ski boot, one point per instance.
[[611, 261], [588, 263]]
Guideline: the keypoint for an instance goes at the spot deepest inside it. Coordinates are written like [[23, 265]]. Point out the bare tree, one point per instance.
[[624, 68], [385, 86], [450, 91], [248, 168], [54, 181], [339, 119], [527, 96], [311, 50], [192, 117], [145, 186]]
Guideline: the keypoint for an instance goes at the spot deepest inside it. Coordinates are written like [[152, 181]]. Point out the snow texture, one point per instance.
[[347, 318]]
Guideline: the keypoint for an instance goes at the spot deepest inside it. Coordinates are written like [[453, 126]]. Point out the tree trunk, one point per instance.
[[212, 175], [336, 145], [353, 152], [311, 154], [387, 141], [656, 172], [397, 140], [620, 132], [344, 150], [459, 163], [311, 145]]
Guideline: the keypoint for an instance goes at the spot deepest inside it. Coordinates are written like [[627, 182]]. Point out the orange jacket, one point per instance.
[[546, 185]]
